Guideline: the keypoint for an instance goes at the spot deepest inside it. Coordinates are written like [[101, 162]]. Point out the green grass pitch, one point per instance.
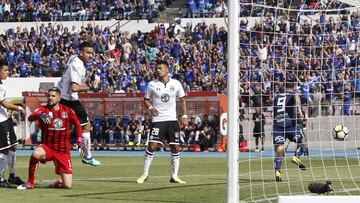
[[114, 180]]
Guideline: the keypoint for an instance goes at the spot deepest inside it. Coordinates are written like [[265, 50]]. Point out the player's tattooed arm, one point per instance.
[[79, 88]]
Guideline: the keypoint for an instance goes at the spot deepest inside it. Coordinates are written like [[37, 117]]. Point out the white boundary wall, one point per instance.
[[15, 86], [130, 26]]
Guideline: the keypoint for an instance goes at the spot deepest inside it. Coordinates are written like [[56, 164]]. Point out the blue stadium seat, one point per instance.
[[126, 120], [97, 123]]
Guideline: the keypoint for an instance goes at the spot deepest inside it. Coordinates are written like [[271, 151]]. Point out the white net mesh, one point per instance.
[[315, 44]]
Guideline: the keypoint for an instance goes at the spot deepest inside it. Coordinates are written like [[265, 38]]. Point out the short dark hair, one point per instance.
[[55, 89], [3, 62], [162, 62], [85, 44]]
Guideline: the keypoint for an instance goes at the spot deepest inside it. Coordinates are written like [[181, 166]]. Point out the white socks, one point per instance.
[[147, 161], [138, 139], [11, 162], [175, 163], [3, 163], [87, 145]]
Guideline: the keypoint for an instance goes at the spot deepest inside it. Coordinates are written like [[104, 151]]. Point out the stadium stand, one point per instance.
[[64, 10]]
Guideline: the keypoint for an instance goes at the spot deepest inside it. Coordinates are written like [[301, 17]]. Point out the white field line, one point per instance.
[[135, 177]]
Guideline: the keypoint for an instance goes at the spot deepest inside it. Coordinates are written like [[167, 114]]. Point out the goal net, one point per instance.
[[316, 45]]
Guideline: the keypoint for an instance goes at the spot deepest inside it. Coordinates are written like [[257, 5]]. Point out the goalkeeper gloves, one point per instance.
[[80, 146], [45, 118]]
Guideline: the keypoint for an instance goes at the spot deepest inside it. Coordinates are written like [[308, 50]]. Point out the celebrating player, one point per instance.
[[55, 121], [160, 99], [286, 107], [70, 85], [8, 140]]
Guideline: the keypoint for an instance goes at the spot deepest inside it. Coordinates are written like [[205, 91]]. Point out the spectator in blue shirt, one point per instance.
[[347, 102]]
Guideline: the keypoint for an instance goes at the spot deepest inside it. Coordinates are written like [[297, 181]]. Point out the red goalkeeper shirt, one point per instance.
[[56, 135]]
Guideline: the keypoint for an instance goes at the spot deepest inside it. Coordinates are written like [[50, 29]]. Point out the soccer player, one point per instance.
[[55, 121], [133, 130], [8, 139], [160, 99], [258, 130], [286, 107], [71, 83]]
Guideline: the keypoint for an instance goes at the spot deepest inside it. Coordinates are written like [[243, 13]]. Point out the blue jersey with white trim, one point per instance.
[[285, 110]]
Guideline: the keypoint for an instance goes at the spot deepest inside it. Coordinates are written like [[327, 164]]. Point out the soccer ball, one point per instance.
[[340, 132]]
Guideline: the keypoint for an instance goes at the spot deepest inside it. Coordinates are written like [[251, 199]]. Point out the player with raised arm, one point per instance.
[[286, 108], [160, 99], [8, 139], [55, 121], [71, 83]]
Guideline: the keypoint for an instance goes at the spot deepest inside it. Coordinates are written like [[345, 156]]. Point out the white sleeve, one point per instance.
[[148, 92], [75, 73], [180, 92], [2, 93]]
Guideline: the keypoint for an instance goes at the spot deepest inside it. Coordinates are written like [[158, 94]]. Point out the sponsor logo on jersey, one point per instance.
[[165, 98], [176, 134], [172, 88], [64, 115], [279, 140], [58, 123], [158, 89]]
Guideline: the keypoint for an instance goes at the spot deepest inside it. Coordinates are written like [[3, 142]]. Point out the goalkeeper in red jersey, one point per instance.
[[55, 121]]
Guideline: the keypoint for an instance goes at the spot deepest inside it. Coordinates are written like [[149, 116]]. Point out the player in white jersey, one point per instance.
[[8, 139], [160, 99], [71, 83]]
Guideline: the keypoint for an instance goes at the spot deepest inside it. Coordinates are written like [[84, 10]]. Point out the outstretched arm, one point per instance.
[[12, 107], [36, 114]]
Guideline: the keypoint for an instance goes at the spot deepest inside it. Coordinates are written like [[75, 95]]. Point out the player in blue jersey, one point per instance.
[[287, 106]]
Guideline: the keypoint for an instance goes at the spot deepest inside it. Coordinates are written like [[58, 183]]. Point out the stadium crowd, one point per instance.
[[256, 8], [323, 56], [62, 10]]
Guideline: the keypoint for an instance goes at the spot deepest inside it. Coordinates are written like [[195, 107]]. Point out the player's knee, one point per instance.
[[174, 149], [152, 146], [38, 153], [280, 149], [67, 185], [86, 128], [13, 148]]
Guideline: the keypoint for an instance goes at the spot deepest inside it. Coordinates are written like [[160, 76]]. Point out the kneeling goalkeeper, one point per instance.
[[55, 121]]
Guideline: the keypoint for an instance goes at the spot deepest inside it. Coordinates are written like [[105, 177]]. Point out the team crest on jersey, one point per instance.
[[172, 88], [64, 115], [58, 123], [165, 98], [51, 114]]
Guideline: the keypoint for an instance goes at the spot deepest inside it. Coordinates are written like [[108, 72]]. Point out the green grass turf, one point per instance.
[[114, 180]]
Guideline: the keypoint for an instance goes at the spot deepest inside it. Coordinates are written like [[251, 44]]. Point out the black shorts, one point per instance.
[[258, 134], [165, 130], [78, 109], [7, 135]]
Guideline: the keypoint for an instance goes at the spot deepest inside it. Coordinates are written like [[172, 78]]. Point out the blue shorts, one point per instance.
[[280, 134]]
